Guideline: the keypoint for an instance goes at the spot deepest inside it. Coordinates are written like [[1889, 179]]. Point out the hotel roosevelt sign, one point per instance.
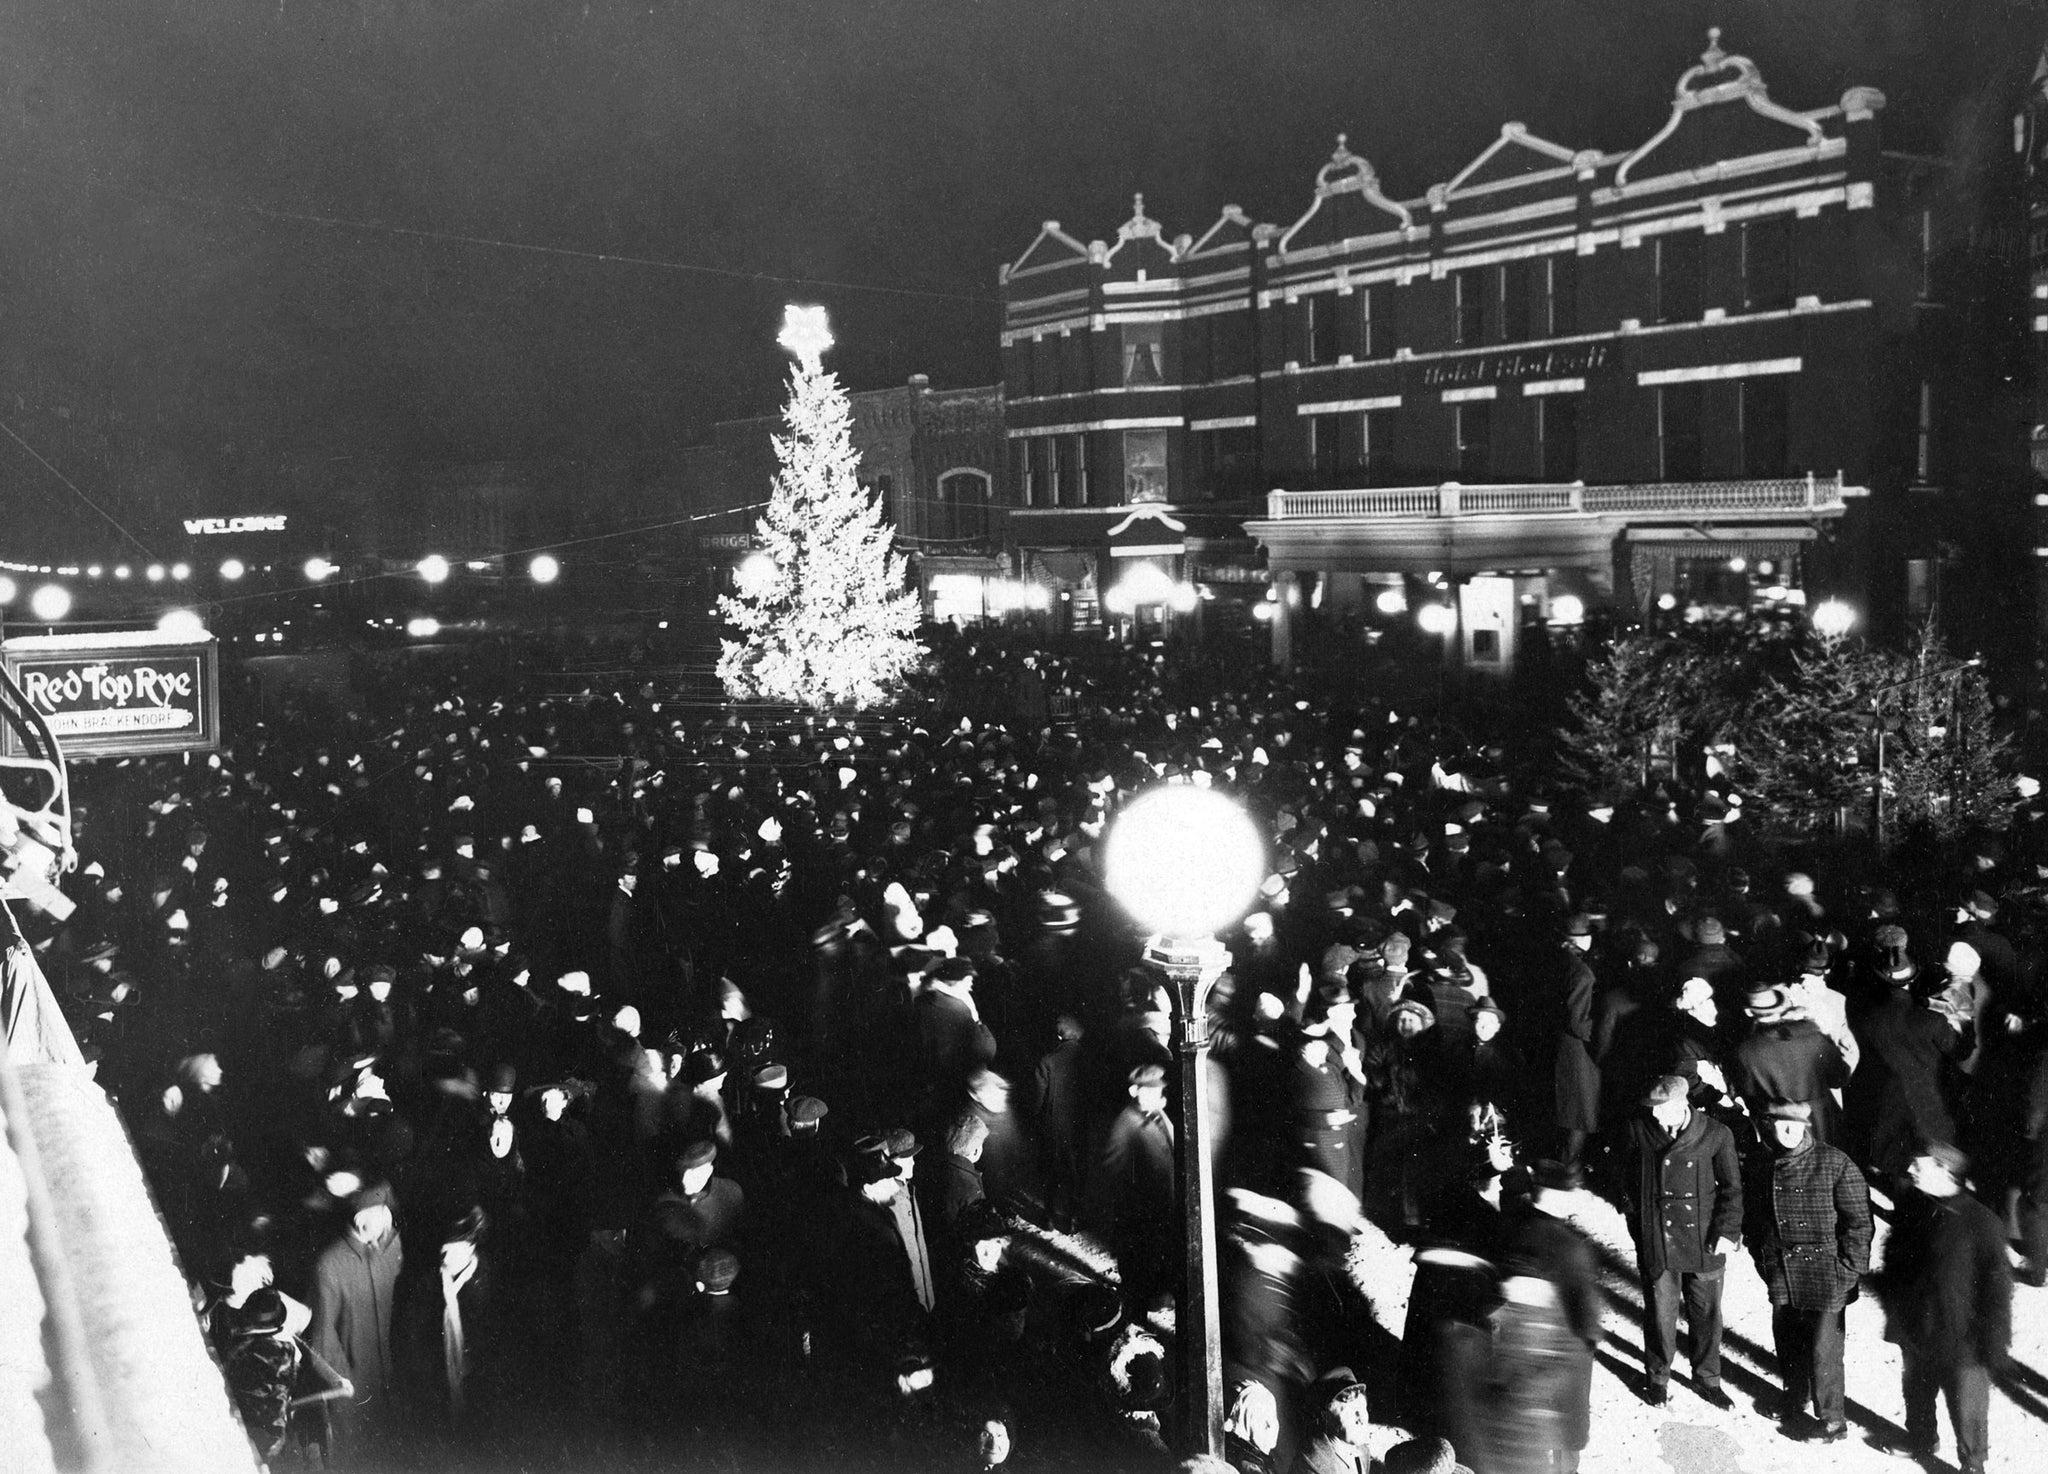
[[118, 694], [1572, 360]]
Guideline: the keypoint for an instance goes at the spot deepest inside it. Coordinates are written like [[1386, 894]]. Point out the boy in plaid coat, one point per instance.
[[1808, 1227]]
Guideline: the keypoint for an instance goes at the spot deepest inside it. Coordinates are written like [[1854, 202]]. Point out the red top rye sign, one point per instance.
[[121, 693]]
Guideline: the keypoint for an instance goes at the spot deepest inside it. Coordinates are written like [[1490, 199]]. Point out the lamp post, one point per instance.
[[1185, 862]]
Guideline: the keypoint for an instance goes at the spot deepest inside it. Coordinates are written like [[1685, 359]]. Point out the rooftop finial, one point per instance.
[[1342, 141], [1713, 56], [1138, 206]]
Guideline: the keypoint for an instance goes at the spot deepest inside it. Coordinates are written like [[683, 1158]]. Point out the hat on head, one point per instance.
[[807, 1110], [1557, 1176], [901, 1143], [717, 1269], [1952, 1158], [1963, 960], [1147, 1075], [1789, 1110], [1981, 905], [1578, 925], [1711, 932], [697, 1154], [1766, 1004], [1666, 1089], [1409, 1006], [703, 1066], [1488, 1005], [1424, 1456], [772, 1077], [371, 1195]]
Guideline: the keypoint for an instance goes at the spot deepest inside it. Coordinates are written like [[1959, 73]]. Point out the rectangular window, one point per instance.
[[1055, 469], [1324, 435], [1318, 329], [1561, 279], [1020, 473], [1144, 466], [1230, 339], [1678, 432], [1084, 485], [1767, 264], [1229, 461], [1473, 427], [1514, 301], [1763, 409], [1021, 377], [1376, 440], [1923, 437], [1370, 329], [1471, 294], [1557, 437], [1678, 277], [1926, 255], [1144, 353]]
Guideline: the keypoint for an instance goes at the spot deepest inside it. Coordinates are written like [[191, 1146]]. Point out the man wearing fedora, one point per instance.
[[1787, 1057], [1681, 1188], [1808, 1227]]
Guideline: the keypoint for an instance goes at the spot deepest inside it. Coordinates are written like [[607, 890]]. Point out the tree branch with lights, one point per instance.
[[822, 611]]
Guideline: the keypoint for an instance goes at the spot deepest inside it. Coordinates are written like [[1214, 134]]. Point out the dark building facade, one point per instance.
[[1623, 375]]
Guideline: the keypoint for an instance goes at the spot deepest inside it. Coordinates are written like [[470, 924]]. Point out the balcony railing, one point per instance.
[[1450, 499]]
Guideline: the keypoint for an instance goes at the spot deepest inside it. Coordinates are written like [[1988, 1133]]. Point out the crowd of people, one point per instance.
[[565, 1051]]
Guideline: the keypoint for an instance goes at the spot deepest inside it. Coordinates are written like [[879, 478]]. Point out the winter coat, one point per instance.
[[354, 1285], [1576, 1077], [1895, 1099], [1946, 1285], [1791, 1061], [954, 1041], [1807, 1224], [1681, 1195], [1552, 1250]]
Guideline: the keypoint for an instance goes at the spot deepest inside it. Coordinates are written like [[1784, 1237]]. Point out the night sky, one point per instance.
[[155, 150]]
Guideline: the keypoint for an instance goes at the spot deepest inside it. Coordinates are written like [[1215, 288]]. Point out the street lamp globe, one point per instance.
[[181, 622], [1184, 861], [1832, 619], [433, 568], [50, 603], [545, 568], [1437, 619]]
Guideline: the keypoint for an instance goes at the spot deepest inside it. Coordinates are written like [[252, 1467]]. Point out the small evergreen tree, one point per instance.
[[1947, 765], [825, 618], [1798, 747], [1646, 697]]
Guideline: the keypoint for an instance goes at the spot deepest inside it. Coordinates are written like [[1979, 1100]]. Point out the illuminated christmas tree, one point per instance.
[[822, 611]]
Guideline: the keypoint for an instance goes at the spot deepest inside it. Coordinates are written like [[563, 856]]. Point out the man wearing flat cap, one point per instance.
[[1808, 1227], [1681, 1186]]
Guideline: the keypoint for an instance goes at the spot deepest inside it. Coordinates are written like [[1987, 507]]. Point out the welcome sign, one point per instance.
[[120, 694]]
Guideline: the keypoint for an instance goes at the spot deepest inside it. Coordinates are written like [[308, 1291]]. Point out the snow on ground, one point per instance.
[[1689, 1437]]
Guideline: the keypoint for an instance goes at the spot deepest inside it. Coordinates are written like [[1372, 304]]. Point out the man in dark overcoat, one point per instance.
[[1681, 1185], [1576, 1077], [1542, 1244], [1787, 1057], [1895, 1098], [1807, 1223], [1140, 1187], [1947, 1292]]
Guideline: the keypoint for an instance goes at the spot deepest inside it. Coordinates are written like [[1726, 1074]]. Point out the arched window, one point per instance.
[[963, 503]]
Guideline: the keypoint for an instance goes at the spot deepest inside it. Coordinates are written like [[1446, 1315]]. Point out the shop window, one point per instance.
[[1767, 264], [1678, 432], [1557, 437], [1473, 427], [1762, 408], [1678, 277], [1144, 466], [1144, 353]]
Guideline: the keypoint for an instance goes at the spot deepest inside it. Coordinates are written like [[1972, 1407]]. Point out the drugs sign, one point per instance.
[[120, 694]]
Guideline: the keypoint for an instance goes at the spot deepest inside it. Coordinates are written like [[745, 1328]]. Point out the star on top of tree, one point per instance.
[[805, 333]]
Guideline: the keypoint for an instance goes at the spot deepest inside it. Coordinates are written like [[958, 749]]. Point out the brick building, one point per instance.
[[1699, 370]]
